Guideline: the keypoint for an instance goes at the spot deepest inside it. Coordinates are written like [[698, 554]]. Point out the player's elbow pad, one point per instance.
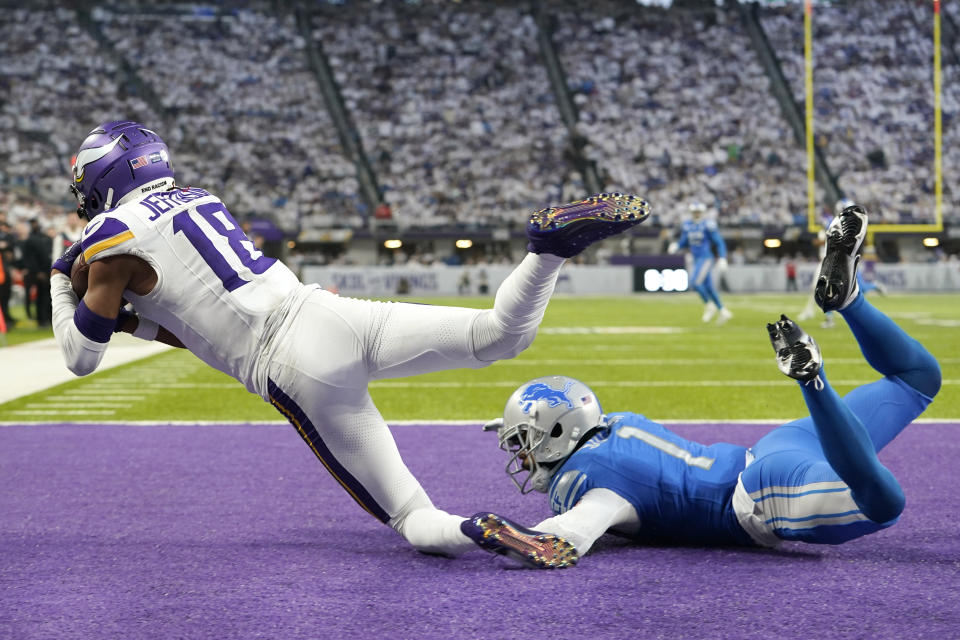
[[86, 363], [81, 354], [81, 334]]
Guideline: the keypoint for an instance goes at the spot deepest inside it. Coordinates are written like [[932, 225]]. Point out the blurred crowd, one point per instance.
[[249, 122], [457, 117], [675, 106], [454, 109]]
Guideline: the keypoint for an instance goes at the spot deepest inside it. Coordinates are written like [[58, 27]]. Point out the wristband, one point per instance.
[[92, 325]]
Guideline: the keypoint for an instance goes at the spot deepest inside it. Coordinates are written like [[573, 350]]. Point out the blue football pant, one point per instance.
[[818, 479], [702, 280]]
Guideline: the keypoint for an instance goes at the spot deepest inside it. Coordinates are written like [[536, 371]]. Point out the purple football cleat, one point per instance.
[[568, 229], [530, 548]]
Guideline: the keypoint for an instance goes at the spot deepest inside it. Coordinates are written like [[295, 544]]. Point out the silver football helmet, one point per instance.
[[543, 422], [697, 210]]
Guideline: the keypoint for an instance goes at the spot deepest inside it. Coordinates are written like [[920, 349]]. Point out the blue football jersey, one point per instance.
[[703, 238], [680, 489]]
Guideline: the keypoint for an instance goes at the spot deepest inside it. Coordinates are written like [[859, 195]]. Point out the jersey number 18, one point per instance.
[[211, 247]]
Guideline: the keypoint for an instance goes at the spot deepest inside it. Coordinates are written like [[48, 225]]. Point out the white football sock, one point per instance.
[[429, 529], [509, 328]]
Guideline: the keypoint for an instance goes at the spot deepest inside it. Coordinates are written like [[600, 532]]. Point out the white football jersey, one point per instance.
[[215, 291]]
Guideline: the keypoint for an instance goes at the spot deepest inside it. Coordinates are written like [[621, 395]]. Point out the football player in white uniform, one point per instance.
[[195, 280]]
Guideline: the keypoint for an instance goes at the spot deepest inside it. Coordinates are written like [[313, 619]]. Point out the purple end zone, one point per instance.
[[238, 532]]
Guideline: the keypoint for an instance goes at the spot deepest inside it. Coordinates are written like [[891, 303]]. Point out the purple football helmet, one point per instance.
[[116, 158]]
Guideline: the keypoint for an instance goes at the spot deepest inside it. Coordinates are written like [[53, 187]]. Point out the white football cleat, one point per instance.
[[709, 310], [725, 314], [798, 355], [837, 283]]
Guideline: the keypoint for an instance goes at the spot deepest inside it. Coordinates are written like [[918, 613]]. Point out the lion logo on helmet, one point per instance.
[[541, 391]]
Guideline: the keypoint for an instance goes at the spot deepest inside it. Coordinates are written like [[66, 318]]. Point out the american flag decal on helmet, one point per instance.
[[139, 161]]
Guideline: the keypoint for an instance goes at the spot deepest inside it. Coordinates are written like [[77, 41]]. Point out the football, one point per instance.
[[78, 276]]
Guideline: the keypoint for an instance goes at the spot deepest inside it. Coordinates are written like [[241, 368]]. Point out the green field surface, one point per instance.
[[644, 353], [25, 330]]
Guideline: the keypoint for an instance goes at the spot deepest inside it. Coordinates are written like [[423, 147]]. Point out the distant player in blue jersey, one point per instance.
[[709, 252], [816, 479]]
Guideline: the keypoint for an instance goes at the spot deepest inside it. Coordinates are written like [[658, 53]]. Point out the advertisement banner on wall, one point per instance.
[[385, 282], [389, 282]]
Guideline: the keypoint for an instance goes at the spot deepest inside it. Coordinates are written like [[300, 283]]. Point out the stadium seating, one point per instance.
[[873, 100], [453, 107], [455, 112], [677, 108]]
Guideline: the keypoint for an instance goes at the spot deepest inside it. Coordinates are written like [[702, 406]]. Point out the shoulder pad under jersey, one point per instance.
[[103, 236]]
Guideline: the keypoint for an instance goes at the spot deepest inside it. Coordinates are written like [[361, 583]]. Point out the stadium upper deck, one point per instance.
[[453, 106]]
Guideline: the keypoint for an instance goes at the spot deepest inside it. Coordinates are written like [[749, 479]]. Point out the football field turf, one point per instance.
[[648, 354], [237, 532], [115, 523]]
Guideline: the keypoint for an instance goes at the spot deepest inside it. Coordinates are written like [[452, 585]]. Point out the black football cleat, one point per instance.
[[567, 230], [837, 282], [798, 355], [530, 548]]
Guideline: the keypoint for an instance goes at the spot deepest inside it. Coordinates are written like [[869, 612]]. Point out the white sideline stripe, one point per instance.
[[657, 362], [625, 383], [706, 422], [34, 366]]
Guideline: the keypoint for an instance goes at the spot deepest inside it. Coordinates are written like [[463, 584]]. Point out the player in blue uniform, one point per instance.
[[816, 479], [709, 252]]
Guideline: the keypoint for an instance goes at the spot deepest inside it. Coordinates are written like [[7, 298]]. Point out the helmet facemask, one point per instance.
[[520, 441], [544, 422], [81, 211]]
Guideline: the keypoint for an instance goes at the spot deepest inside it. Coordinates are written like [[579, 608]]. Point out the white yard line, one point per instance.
[[119, 386], [66, 406], [87, 394]]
